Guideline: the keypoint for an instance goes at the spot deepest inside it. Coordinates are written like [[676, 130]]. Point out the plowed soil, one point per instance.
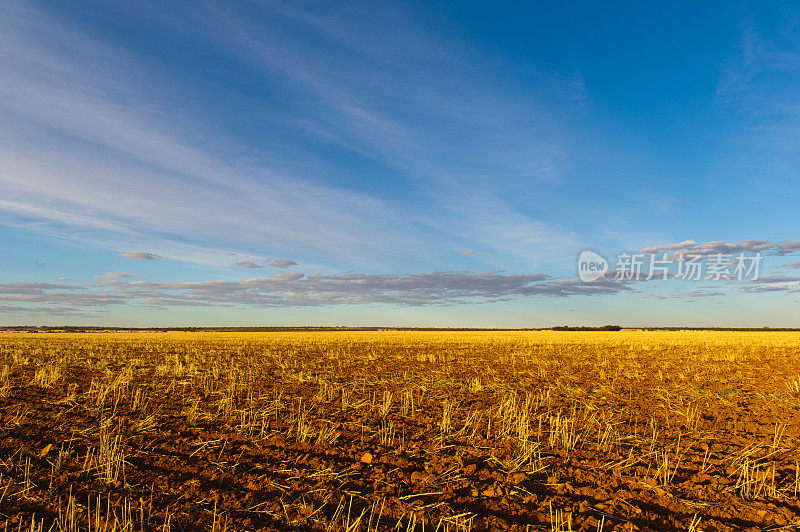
[[628, 430]]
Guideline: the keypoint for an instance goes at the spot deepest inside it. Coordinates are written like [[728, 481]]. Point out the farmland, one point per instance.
[[400, 430]]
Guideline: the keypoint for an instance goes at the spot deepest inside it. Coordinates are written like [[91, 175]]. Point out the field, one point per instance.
[[394, 430]]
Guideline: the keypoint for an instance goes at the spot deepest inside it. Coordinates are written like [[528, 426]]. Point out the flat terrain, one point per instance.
[[545, 430]]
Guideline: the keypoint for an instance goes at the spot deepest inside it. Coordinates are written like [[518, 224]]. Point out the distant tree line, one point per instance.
[[603, 328]]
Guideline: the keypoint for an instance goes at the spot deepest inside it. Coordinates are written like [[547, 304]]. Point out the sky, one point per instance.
[[407, 164]]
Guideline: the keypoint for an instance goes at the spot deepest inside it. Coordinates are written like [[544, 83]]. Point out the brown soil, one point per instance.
[[520, 432]]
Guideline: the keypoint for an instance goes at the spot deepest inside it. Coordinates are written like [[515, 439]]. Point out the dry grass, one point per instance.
[[395, 430]]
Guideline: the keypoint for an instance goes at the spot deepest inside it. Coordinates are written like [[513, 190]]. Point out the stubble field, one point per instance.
[[394, 430]]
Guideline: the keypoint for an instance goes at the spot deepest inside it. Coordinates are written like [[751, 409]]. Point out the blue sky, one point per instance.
[[442, 164]]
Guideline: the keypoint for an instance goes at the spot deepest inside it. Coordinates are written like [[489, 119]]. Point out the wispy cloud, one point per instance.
[[773, 283], [138, 255], [96, 148], [281, 263], [248, 264], [705, 293], [470, 252], [690, 247], [686, 244], [272, 263], [786, 248], [287, 289], [690, 294], [116, 275], [757, 91], [52, 296], [46, 312]]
